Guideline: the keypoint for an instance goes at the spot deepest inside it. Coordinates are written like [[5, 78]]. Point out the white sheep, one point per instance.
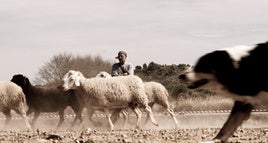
[[110, 93], [104, 74], [157, 94], [12, 97]]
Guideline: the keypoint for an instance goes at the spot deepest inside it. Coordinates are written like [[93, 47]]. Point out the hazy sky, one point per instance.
[[163, 31]]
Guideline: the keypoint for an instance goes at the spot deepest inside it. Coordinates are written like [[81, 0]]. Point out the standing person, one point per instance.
[[122, 68]]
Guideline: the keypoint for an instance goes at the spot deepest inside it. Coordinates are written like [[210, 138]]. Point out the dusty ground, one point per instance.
[[194, 128]]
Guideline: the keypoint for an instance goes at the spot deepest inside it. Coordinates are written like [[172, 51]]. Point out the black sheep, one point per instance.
[[48, 99]]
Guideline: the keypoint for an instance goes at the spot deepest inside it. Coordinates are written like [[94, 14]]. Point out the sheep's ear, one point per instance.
[[25, 81], [77, 81], [67, 75], [64, 78], [80, 74]]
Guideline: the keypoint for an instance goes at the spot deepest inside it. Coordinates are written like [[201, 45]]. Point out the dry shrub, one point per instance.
[[209, 103]]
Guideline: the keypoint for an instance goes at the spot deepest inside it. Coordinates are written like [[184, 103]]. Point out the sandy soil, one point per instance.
[[194, 128]]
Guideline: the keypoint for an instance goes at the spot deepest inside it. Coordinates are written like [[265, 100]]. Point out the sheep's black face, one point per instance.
[[19, 79]]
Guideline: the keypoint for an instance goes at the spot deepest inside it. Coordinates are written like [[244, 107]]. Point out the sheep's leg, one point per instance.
[[36, 115], [24, 116], [115, 115], [138, 114], [90, 113], [6, 112], [78, 115], [149, 111], [29, 111], [108, 115], [74, 121], [148, 116], [171, 112], [26, 120], [125, 115], [61, 114], [78, 109]]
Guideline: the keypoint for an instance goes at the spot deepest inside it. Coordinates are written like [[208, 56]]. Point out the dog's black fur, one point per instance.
[[245, 79]]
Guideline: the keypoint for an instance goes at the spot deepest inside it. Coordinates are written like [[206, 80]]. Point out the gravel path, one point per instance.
[[194, 128], [257, 135]]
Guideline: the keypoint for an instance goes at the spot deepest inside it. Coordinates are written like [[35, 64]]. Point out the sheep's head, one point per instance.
[[68, 74], [103, 74], [71, 80], [21, 80]]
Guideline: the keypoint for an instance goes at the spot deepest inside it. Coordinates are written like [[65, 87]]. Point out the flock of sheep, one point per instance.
[[111, 95]]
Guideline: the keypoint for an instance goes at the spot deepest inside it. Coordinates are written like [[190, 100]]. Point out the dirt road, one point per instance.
[[194, 128]]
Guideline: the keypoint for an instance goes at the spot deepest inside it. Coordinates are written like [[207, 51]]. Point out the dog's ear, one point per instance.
[[214, 62], [224, 66], [218, 63]]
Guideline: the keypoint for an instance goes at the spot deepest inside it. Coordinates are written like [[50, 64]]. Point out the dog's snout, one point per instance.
[[182, 77]]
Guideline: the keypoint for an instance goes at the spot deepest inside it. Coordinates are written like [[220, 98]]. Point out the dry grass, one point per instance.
[[209, 103]]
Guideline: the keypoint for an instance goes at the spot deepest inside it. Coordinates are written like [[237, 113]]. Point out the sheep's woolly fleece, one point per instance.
[[10, 92], [155, 92], [109, 93], [12, 97]]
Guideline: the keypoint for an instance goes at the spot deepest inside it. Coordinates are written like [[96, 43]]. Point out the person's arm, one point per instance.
[[130, 69], [114, 70]]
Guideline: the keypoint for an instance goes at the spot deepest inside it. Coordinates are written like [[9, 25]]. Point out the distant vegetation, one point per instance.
[[52, 72], [168, 75]]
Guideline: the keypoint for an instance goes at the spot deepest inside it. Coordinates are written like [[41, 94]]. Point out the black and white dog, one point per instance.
[[240, 73]]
